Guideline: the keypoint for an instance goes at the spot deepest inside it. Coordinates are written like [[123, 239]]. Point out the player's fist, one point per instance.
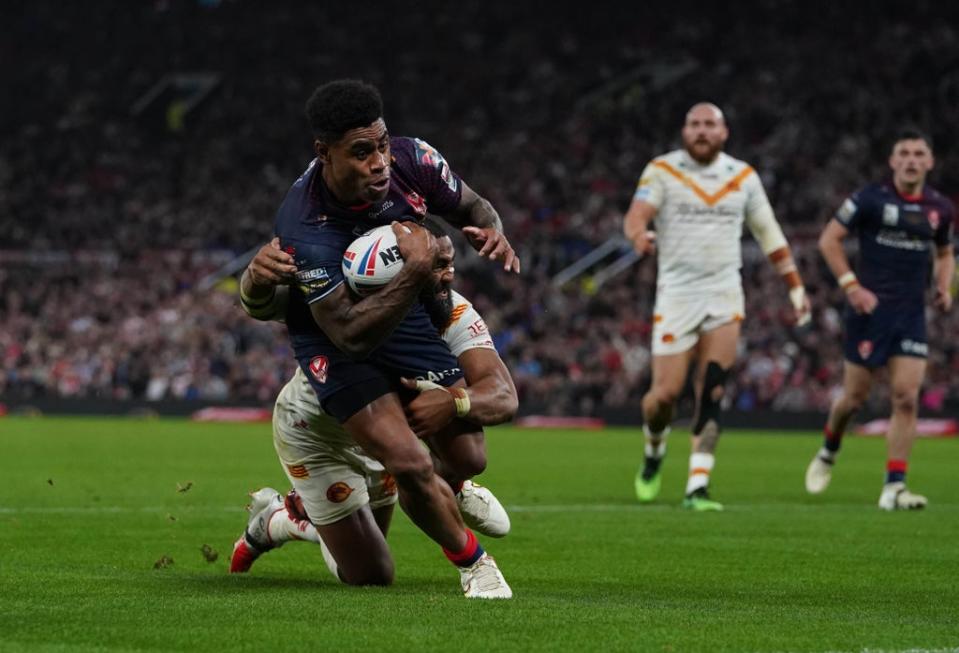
[[862, 300], [644, 242]]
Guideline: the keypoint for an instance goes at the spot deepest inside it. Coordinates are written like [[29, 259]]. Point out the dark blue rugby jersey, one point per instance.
[[315, 229], [896, 235]]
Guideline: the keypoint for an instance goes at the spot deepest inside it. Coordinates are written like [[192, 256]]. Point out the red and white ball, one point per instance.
[[372, 260]]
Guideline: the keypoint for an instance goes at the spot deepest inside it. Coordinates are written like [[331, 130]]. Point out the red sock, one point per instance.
[[469, 554]]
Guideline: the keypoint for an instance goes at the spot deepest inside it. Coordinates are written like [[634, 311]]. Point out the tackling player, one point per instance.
[[333, 478], [354, 351], [897, 223], [699, 198]]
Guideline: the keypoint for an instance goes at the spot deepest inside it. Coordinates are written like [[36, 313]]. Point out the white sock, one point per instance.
[[700, 466], [655, 442], [284, 528], [826, 454]]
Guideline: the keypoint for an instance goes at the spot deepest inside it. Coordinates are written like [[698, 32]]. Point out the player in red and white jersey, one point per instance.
[[333, 478], [699, 198]]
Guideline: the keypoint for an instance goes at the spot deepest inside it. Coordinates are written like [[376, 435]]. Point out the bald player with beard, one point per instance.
[[699, 197]]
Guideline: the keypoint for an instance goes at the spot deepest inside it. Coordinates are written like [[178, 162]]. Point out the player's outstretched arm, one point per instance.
[[767, 232], [482, 226], [263, 293], [861, 299], [489, 397], [945, 271], [357, 327]]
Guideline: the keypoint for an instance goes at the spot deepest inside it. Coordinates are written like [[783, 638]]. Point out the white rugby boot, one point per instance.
[[481, 510], [818, 474], [895, 496], [255, 541], [484, 580]]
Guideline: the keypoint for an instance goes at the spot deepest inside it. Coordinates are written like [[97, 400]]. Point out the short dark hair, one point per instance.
[[911, 133], [339, 106]]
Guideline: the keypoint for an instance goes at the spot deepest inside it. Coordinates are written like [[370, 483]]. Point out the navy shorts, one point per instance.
[[871, 340], [344, 386]]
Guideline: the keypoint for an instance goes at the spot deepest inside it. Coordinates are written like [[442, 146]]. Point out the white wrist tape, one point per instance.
[[460, 398]]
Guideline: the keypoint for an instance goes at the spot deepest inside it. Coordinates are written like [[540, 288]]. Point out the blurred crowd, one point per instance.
[[110, 216]]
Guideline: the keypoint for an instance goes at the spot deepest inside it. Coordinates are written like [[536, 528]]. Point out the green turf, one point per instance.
[[88, 505]]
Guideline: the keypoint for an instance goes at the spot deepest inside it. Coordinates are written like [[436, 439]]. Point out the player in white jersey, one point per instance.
[[346, 496], [699, 198]]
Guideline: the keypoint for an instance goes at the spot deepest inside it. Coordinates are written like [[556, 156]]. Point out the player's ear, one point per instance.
[[322, 151]]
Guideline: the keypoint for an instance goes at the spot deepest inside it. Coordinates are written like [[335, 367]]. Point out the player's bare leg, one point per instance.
[[716, 354], [459, 454], [905, 378], [669, 377], [356, 550], [856, 384], [381, 429]]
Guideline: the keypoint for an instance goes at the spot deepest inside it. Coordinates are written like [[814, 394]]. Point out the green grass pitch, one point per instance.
[[87, 506]]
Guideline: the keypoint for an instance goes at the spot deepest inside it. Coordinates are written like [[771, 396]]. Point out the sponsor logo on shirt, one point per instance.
[[890, 215], [933, 216], [310, 281]]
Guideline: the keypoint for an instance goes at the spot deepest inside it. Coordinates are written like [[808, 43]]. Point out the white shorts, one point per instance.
[[332, 474], [679, 319]]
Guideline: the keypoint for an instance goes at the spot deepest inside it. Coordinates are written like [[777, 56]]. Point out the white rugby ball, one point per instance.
[[372, 260]]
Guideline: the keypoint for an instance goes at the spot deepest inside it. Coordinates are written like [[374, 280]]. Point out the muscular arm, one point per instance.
[[359, 327], [490, 387]]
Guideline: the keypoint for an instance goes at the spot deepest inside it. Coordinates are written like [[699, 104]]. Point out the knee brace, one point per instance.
[[709, 405]]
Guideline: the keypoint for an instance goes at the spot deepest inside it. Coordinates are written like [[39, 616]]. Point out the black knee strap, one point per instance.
[[709, 407]]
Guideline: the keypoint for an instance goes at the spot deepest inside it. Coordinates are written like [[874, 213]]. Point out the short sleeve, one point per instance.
[[440, 186], [850, 211], [757, 202], [467, 329], [947, 225], [319, 270], [650, 187]]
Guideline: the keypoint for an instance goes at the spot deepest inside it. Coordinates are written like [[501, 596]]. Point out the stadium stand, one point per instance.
[[110, 214]]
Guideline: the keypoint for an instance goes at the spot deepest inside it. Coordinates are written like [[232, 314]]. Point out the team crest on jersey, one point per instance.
[[338, 492], [890, 214], [417, 203], [319, 367], [865, 349], [933, 219]]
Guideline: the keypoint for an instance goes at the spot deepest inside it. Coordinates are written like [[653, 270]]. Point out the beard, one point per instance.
[[703, 151], [440, 309]]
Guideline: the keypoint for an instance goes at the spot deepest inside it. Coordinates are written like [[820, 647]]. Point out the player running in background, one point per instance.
[[332, 477], [897, 223], [699, 198], [354, 351]]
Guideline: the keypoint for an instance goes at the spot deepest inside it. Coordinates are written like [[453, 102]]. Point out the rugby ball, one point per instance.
[[372, 260]]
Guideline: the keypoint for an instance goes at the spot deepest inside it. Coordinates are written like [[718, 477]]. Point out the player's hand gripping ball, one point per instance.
[[372, 260]]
